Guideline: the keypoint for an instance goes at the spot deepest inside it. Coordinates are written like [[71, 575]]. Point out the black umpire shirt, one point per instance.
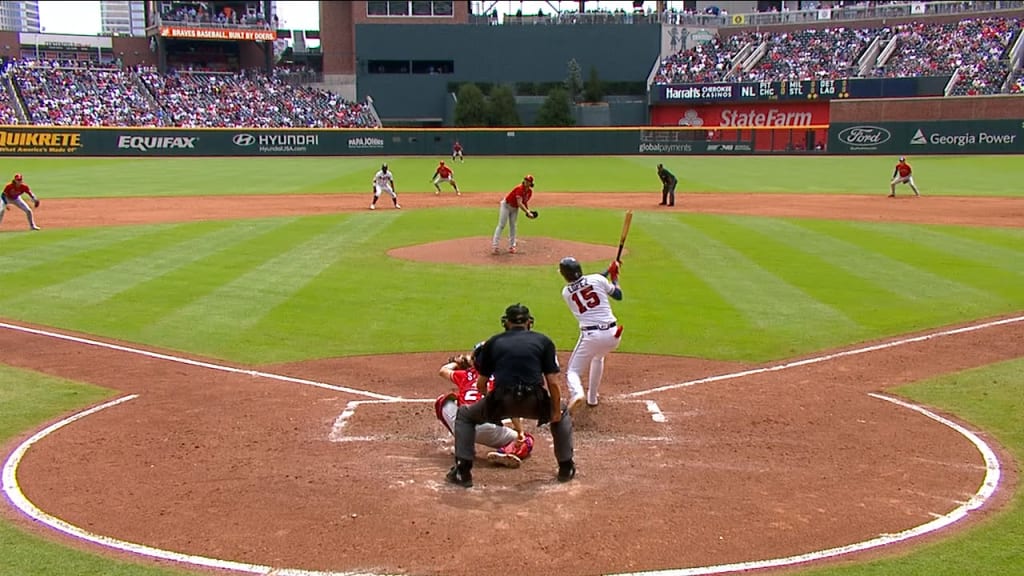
[[518, 356], [667, 177]]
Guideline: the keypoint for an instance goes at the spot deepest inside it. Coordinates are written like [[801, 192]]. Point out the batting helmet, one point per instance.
[[570, 268]]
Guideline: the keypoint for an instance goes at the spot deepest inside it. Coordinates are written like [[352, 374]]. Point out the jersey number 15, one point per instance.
[[586, 299]]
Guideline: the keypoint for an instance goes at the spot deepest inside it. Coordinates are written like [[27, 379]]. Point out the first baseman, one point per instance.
[[12, 196]]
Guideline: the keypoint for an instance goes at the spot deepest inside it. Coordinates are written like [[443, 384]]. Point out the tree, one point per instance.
[[501, 107], [470, 108], [574, 81], [556, 110], [594, 90]]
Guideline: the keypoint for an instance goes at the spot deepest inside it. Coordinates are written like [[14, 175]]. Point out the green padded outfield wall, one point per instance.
[[142, 142], [494, 54], [928, 137]]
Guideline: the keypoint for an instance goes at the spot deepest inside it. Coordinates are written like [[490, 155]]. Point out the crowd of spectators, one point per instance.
[[196, 14], [92, 94], [8, 113], [976, 49]]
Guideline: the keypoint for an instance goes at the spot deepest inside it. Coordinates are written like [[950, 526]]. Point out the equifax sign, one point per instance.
[[217, 33]]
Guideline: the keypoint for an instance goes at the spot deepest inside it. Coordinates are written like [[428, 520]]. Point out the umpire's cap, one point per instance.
[[517, 314]]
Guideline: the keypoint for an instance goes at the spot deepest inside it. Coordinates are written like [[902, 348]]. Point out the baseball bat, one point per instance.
[[625, 232]]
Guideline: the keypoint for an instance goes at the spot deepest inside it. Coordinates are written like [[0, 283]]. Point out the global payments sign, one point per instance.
[[937, 137]]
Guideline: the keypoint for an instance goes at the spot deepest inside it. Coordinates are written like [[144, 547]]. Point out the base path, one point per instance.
[[338, 464]]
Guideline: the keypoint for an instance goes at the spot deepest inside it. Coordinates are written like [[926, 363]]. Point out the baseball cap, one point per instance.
[[517, 314], [17, 177], [529, 178], [902, 159]]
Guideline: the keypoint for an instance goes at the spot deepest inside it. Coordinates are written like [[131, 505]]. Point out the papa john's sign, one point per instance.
[[761, 114], [217, 33]]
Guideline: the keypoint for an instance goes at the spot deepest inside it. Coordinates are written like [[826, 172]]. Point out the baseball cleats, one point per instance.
[[397, 205], [460, 477], [512, 250], [499, 458], [495, 250], [574, 403], [373, 206], [566, 471], [437, 192]]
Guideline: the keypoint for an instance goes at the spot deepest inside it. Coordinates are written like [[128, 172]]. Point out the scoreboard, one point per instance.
[[799, 90]]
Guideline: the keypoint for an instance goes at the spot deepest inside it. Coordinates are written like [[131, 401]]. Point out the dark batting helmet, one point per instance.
[[570, 268]]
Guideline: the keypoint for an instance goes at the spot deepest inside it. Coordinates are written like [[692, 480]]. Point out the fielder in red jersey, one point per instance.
[[12, 197], [903, 174], [508, 212], [510, 445], [444, 174], [457, 152]]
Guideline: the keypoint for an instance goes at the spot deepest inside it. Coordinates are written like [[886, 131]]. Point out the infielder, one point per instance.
[[508, 212], [444, 174], [588, 299], [384, 181], [510, 444], [903, 174], [12, 196]]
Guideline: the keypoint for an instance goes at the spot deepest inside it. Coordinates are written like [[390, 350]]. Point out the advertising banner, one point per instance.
[[934, 137], [738, 115], [216, 33]]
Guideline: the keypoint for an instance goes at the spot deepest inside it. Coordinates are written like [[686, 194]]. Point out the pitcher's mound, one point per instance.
[[531, 251]]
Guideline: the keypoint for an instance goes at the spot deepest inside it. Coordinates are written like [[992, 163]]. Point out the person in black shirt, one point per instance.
[[525, 369], [668, 186]]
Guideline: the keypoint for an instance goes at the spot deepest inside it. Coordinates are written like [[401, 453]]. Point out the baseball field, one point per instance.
[[275, 272]]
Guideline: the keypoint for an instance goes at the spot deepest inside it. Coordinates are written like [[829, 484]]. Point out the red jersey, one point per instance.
[[465, 381], [521, 194], [457, 147], [903, 169], [15, 189], [443, 171]]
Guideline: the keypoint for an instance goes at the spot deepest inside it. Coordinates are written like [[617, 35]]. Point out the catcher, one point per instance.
[[509, 444], [12, 196]]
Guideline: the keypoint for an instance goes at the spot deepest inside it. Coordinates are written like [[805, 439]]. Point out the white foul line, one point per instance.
[[199, 363], [987, 489], [825, 358]]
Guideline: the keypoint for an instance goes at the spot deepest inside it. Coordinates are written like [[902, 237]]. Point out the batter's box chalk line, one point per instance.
[[339, 432]]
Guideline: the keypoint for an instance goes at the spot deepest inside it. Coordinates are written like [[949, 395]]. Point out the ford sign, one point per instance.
[[244, 139], [864, 137]]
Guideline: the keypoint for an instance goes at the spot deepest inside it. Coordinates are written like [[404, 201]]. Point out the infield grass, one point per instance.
[[722, 287]]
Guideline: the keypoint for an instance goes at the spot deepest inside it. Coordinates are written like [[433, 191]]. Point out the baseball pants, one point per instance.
[[668, 194], [507, 216], [505, 404], [20, 203], [491, 435], [591, 348], [378, 190]]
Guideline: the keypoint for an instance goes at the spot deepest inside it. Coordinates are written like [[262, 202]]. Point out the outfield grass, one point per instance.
[[721, 287], [99, 177]]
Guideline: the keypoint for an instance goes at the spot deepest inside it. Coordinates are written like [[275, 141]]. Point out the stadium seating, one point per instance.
[[974, 49], [92, 94]]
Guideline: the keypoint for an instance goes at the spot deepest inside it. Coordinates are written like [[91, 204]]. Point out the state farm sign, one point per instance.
[[762, 114], [217, 33]]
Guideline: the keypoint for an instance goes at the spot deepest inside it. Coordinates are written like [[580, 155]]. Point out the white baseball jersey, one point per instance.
[[589, 299], [383, 179]]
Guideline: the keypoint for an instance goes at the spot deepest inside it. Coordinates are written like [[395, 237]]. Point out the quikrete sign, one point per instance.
[[217, 33], [40, 142]]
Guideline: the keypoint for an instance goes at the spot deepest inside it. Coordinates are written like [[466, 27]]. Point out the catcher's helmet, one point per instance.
[[570, 268]]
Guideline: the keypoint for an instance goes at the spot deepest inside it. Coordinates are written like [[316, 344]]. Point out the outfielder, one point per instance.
[[903, 174], [383, 181], [457, 152], [509, 444], [508, 212], [12, 197], [588, 299], [444, 174]]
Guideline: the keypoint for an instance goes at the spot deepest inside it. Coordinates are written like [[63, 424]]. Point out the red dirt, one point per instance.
[[241, 467]]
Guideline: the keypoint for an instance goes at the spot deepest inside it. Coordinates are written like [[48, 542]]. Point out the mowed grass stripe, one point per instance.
[[100, 285], [766, 300], [1002, 250], [55, 247], [243, 302]]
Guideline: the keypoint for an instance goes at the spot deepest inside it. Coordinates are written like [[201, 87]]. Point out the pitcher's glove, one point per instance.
[[532, 214], [37, 203]]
